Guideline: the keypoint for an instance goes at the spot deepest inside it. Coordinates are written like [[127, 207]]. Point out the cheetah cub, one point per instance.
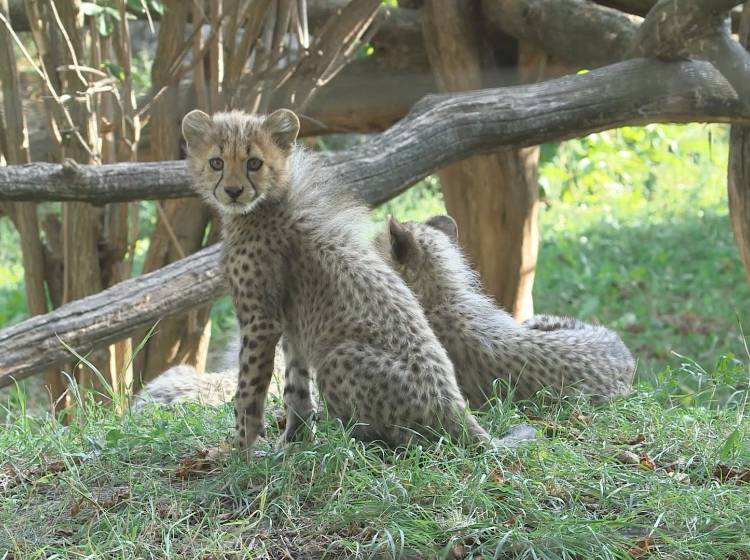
[[484, 342], [298, 265], [183, 383]]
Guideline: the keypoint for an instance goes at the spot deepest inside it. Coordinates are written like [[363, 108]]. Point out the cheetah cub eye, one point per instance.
[[253, 164], [217, 164]]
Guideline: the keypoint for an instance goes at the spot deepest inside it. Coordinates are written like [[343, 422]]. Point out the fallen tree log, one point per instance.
[[441, 129], [110, 315]]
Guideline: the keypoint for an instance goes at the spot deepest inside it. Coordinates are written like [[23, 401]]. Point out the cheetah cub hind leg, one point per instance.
[[298, 397]]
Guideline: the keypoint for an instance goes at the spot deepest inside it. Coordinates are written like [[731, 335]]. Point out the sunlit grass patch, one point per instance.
[[575, 493]]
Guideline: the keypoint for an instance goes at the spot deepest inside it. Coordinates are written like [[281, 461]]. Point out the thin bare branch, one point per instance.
[[50, 89]]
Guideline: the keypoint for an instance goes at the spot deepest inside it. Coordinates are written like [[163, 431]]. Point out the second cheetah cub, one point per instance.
[[298, 265], [484, 342]]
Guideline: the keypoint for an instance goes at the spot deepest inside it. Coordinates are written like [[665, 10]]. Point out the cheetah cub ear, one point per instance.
[[404, 246], [283, 125], [197, 127], [446, 224]]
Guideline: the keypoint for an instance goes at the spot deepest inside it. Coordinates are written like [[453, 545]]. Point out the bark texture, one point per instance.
[[492, 197], [738, 179], [24, 214], [180, 224], [108, 316]]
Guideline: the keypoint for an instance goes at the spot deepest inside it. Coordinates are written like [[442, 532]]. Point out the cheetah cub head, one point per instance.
[[238, 159], [426, 255]]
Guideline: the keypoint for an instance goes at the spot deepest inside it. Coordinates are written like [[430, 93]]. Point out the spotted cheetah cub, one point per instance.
[[484, 342], [298, 265]]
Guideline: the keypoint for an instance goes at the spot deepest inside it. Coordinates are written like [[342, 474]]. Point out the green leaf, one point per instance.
[[731, 445], [157, 6], [115, 69], [91, 9], [104, 25], [112, 12], [113, 436]]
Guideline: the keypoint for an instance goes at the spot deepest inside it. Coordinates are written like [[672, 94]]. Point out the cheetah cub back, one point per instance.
[[484, 342], [298, 265]]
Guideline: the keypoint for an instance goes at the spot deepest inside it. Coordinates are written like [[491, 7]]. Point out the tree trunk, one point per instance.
[[493, 197], [181, 224], [81, 221], [24, 214], [738, 179]]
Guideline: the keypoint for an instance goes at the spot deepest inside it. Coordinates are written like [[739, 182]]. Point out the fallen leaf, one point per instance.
[[63, 533], [280, 419], [10, 475], [580, 418], [75, 508], [642, 547], [108, 497], [623, 456], [635, 440], [497, 477], [678, 465], [204, 461], [725, 473], [647, 463], [678, 476], [168, 510]]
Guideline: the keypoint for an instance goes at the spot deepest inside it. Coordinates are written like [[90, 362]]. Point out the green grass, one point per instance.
[[568, 496], [636, 235]]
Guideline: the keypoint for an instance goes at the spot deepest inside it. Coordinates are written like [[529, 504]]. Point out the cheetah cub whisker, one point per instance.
[[298, 265], [484, 342]]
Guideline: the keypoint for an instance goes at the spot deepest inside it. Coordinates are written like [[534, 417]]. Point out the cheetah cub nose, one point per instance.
[[233, 192]]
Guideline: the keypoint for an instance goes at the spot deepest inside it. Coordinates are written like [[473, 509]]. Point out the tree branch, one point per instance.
[[110, 315], [578, 31], [440, 130], [676, 29]]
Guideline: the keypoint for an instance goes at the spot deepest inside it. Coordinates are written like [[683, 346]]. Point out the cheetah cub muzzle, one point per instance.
[[298, 265]]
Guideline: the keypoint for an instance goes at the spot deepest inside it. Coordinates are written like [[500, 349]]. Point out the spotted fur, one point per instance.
[[484, 342], [298, 265], [183, 384]]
